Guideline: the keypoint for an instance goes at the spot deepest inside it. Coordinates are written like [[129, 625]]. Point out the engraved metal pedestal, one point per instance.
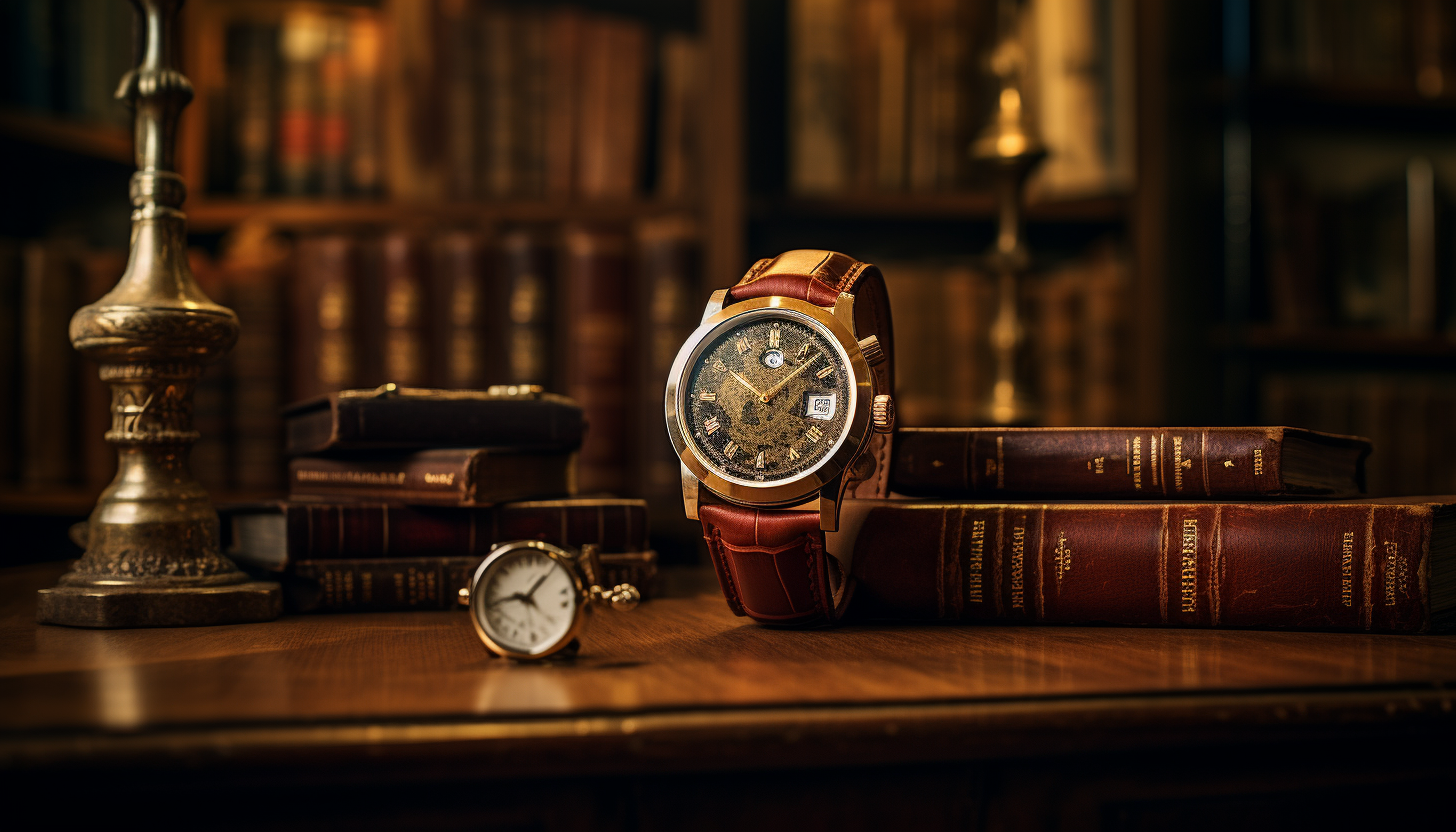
[[152, 556], [1010, 147]]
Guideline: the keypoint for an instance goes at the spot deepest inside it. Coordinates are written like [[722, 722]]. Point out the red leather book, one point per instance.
[[1378, 565], [446, 477], [274, 535], [399, 418], [599, 349], [1147, 463], [394, 584]]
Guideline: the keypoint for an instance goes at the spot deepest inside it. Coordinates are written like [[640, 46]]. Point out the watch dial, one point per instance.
[[526, 601], [768, 399]]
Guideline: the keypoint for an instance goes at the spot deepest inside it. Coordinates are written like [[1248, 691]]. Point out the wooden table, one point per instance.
[[680, 715]]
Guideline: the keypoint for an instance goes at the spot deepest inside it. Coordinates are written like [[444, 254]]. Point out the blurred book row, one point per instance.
[[66, 57], [886, 95], [1379, 44], [1077, 322], [1379, 257], [449, 99]]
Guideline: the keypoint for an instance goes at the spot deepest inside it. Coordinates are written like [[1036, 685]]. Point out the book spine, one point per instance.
[[1089, 462], [531, 69], [434, 479], [333, 111], [819, 112], [460, 317], [599, 347], [325, 316], [563, 83], [255, 271], [302, 41], [499, 91], [1304, 566], [460, 93], [48, 364], [365, 162], [400, 584], [525, 303], [678, 139], [401, 318], [251, 76], [328, 532]]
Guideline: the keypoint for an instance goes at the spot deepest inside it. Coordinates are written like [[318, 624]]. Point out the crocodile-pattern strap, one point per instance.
[[773, 565]]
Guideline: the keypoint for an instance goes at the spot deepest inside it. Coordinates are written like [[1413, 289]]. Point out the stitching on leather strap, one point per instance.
[[851, 276], [757, 271], [716, 549]]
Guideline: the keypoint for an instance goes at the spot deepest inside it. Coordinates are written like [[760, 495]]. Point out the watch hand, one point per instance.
[[745, 383], [772, 391], [537, 585], [514, 596]]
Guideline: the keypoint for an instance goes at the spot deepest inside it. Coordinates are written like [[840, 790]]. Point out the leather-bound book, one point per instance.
[[251, 51], [1136, 463], [301, 44], [365, 161], [392, 584], [460, 95], [48, 364], [680, 117], [1377, 565], [460, 324], [395, 418], [613, 108], [274, 535], [256, 266], [325, 316], [670, 259], [397, 312], [444, 476], [563, 84], [599, 350], [333, 110], [525, 304]]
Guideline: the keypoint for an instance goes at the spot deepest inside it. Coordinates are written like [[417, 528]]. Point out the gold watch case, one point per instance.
[[565, 559], [837, 324]]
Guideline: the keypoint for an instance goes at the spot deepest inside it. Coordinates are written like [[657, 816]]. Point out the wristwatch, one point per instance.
[[779, 408]]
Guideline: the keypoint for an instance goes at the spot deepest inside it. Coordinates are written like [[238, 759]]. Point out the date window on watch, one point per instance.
[[819, 406]]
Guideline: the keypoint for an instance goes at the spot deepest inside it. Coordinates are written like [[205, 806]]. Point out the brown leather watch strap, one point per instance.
[[773, 565]]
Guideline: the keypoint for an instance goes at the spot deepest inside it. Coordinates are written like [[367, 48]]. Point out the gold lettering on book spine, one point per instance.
[[1347, 569], [975, 567], [1018, 565], [1188, 575], [1063, 557], [1177, 463], [1137, 463], [1397, 573], [1258, 462]]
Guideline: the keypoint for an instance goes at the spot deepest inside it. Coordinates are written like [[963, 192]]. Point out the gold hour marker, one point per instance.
[[730, 449], [708, 396], [719, 365], [773, 337], [793, 454], [813, 434], [824, 372], [758, 462], [711, 425], [742, 344], [803, 351]]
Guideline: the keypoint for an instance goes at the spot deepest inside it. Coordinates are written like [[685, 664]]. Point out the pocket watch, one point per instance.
[[779, 407], [529, 600]]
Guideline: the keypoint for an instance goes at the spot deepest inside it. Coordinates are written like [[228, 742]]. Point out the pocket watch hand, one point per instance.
[[745, 383], [537, 585], [772, 391], [514, 596]]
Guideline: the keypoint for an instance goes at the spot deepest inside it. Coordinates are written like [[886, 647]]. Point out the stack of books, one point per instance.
[[395, 495]]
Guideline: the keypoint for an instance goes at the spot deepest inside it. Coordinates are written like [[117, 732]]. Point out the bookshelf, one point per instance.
[[740, 202]]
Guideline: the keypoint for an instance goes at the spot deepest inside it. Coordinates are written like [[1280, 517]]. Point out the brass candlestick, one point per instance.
[[152, 556], [1011, 148]]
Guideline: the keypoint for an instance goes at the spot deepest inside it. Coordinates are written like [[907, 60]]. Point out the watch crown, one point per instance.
[[882, 413], [873, 352]]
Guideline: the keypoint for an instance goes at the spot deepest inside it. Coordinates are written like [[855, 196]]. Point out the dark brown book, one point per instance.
[[446, 477], [274, 535], [460, 321], [680, 117], [255, 267], [563, 84], [301, 43], [460, 95], [1382, 565], [397, 308], [395, 584], [48, 364], [409, 418], [525, 304], [332, 125], [325, 316], [599, 350], [612, 108], [251, 51], [500, 91], [1221, 463]]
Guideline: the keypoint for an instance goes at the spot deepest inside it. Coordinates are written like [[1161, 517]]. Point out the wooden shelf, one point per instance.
[[217, 214], [1359, 108], [1349, 342], [72, 501], [971, 206], [101, 141]]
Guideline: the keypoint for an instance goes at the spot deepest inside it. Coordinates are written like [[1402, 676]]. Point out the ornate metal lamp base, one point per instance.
[[131, 606]]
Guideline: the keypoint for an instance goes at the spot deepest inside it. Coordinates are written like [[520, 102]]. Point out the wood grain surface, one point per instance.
[[684, 668]]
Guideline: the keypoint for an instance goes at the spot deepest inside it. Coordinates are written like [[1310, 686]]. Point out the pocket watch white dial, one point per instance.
[[527, 600], [767, 400]]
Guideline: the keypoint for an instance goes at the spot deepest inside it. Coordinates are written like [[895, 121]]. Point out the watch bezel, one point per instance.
[[800, 487], [567, 560]]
